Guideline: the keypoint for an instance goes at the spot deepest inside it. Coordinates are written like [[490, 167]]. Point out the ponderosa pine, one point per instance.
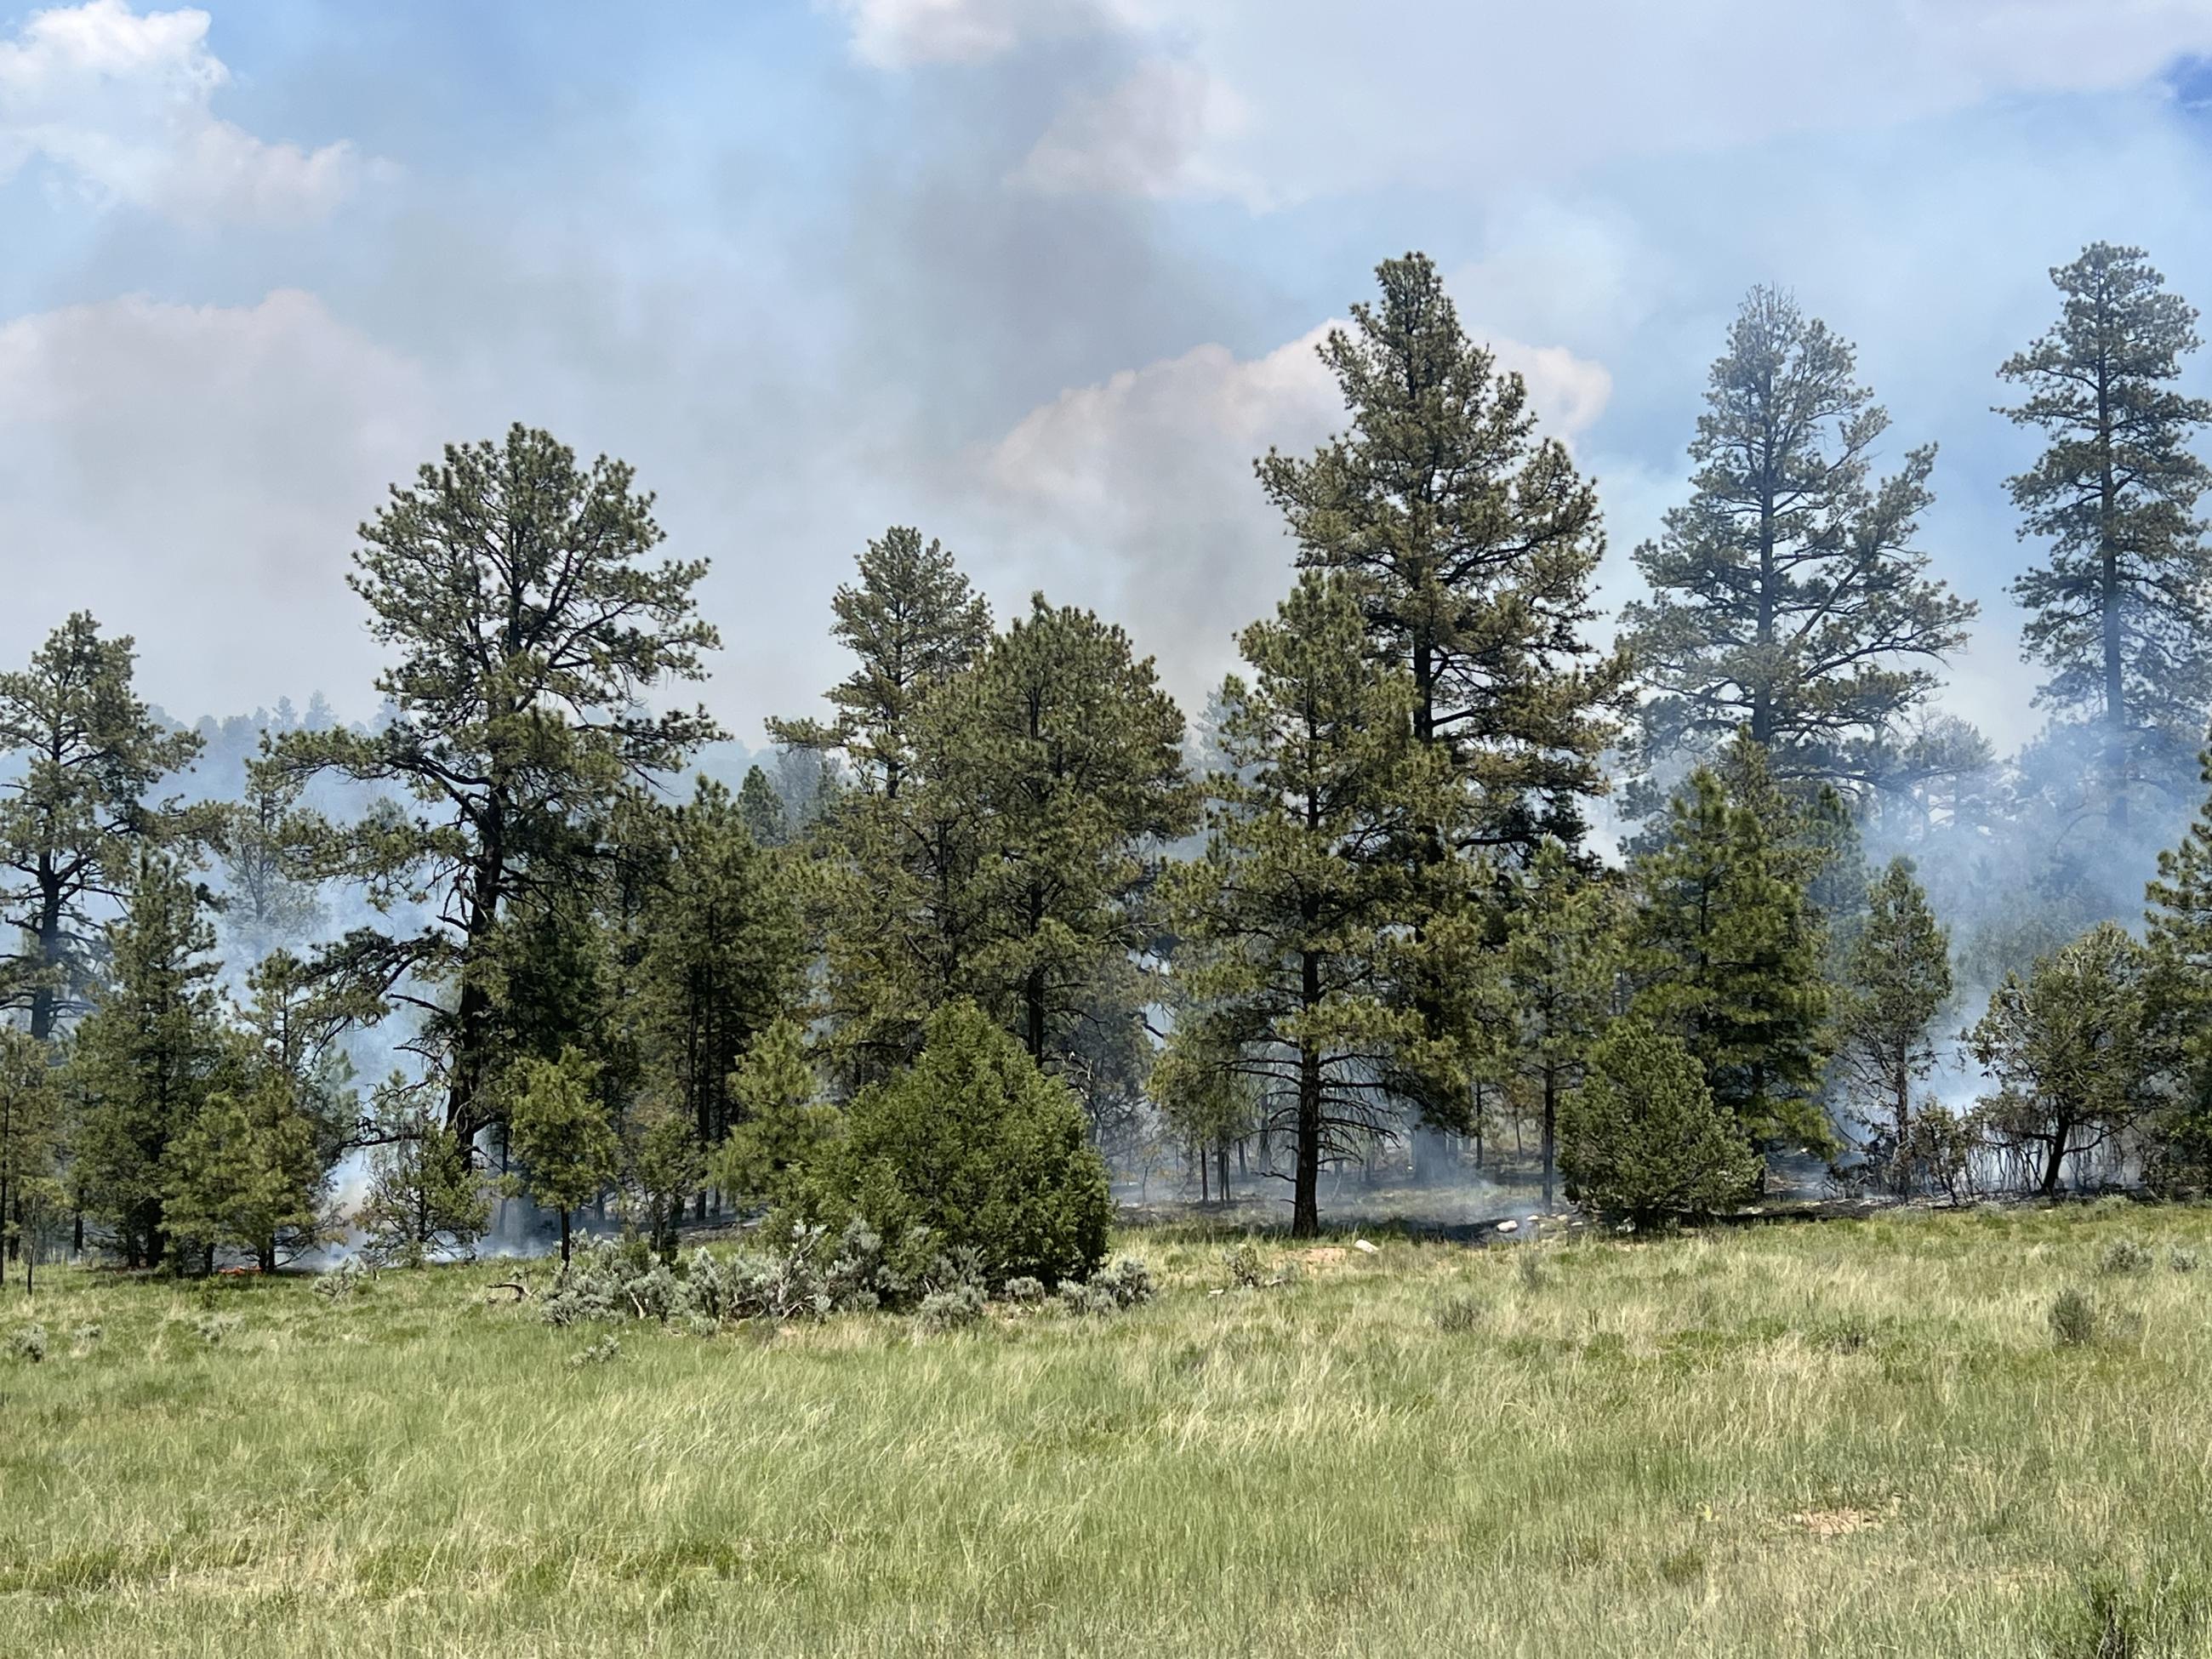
[[2118, 611], [516, 591], [1788, 599]]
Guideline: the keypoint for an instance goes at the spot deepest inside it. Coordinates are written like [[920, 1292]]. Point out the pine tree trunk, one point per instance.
[[1033, 1015], [2116, 694], [1221, 1171], [48, 933], [564, 1236], [1305, 1197], [1762, 699], [1551, 1126], [472, 1030]]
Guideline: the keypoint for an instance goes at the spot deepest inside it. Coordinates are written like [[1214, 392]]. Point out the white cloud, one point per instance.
[[192, 475], [1136, 495], [122, 105]]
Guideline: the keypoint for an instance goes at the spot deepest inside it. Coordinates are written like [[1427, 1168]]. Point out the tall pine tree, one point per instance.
[[1473, 544], [1015, 863], [1788, 599], [145, 1057], [514, 589], [914, 621], [1074, 755], [1297, 926], [2118, 612], [74, 810]]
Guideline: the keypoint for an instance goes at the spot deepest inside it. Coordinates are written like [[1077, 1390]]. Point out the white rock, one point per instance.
[[1364, 1247], [1509, 1226]]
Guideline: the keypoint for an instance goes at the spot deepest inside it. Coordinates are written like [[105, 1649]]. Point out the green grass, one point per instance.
[[1839, 1438]]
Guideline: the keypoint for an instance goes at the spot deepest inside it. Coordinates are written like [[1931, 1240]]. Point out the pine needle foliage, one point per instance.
[[2117, 611], [1644, 1136]]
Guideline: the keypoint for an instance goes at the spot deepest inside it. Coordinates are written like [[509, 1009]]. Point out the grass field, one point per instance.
[[1837, 1439]]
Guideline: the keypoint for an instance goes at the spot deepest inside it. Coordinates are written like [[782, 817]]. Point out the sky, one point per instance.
[[1041, 277]]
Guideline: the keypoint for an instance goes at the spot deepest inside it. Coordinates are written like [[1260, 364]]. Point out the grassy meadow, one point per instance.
[[1833, 1439]]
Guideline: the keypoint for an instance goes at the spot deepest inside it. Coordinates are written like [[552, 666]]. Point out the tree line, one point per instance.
[[1361, 893]]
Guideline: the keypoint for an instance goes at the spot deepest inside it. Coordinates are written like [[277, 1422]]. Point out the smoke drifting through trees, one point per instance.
[[521, 934]]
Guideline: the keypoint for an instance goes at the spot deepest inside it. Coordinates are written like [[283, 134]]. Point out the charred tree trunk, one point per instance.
[[2056, 1163], [472, 1017], [1305, 1200], [45, 997]]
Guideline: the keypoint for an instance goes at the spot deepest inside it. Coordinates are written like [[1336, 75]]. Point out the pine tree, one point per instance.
[[253, 1168], [1726, 954], [1473, 545], [297, 1022], [1787, 599], [269, 888], [248, 1170], [723, 958], [1073, 756], [2178, 999], [898, 907], [423, 1195], [974, 1144], [761, 810], [914, 621], [1896, 979], [662, 1165], [1643, 1136], [2072, 1051], [1295, 926], [30, 1138], [1558, 976], [146, 1057], [513, 587], [783, 1123], [559, 1129], [1013, 865], [2119, 611], [74, 811]]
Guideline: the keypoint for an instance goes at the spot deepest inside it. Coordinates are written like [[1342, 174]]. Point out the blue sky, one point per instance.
[[1040, 275]]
